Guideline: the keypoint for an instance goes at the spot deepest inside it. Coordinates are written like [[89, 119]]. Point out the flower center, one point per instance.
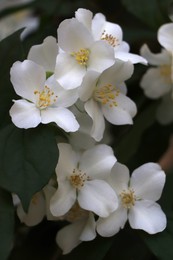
[[165, 71], [75, 213], [78, 179], [113, 41], [82, 56], [45, 98], [128, 198], [106, 95], [34, 199]]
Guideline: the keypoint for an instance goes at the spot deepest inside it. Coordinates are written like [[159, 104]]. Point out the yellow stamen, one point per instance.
[[34, 199], [128, 198], [106, 95], [165, 71], [113, 41], [75, 213], [82, 56], [78, 178], [45, 97]]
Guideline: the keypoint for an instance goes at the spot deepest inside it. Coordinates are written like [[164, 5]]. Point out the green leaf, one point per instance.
[[6, 224], [161, 243], [10, 51], [151, 13], [28, 160]]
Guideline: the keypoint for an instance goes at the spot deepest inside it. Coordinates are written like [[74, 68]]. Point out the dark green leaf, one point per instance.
[[6, 224], [151, 14], [28, 160], [10, 51]]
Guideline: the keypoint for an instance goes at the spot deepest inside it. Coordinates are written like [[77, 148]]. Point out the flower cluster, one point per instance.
[[78, 83]]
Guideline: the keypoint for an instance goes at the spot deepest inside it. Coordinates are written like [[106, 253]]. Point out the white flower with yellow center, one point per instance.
[[105, 97], [165, 38], [79, 53], [82, 227], [82, 177], [157, 81], [110, 33], [137, 196], [36, 211], [43, 101]]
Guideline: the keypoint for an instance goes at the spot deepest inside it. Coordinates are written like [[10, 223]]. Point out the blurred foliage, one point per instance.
[[21, 150]]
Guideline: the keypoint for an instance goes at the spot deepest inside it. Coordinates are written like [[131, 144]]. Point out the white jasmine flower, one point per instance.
[[43, 101], [73, 234], [39, 207], [137, 196], [109, 32], [83, 179], [157, 82], [45, 54], [105, 97], [80, 54], [36, 211]]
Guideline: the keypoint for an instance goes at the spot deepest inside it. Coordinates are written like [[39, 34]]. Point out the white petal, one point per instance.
[[147, 216], [88, 85], [119, 178], [116, 74], [45, 54], [63, 199], [48, 193], [66, 154], [27, 77], [36, 211], [123, 47], [165, 36], [107, 227], [84, 16], [88, 232], [134, 58], [25, 114], [101, 56], [154, 84], [148, 181], [98, 23], [122, 113], [98, 196], [63, 117], [98, 161], [68, 72], [94, 111], [165, 110], [113, 30], [66, 97], [156, 58], [68, 237], [73, 35]]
